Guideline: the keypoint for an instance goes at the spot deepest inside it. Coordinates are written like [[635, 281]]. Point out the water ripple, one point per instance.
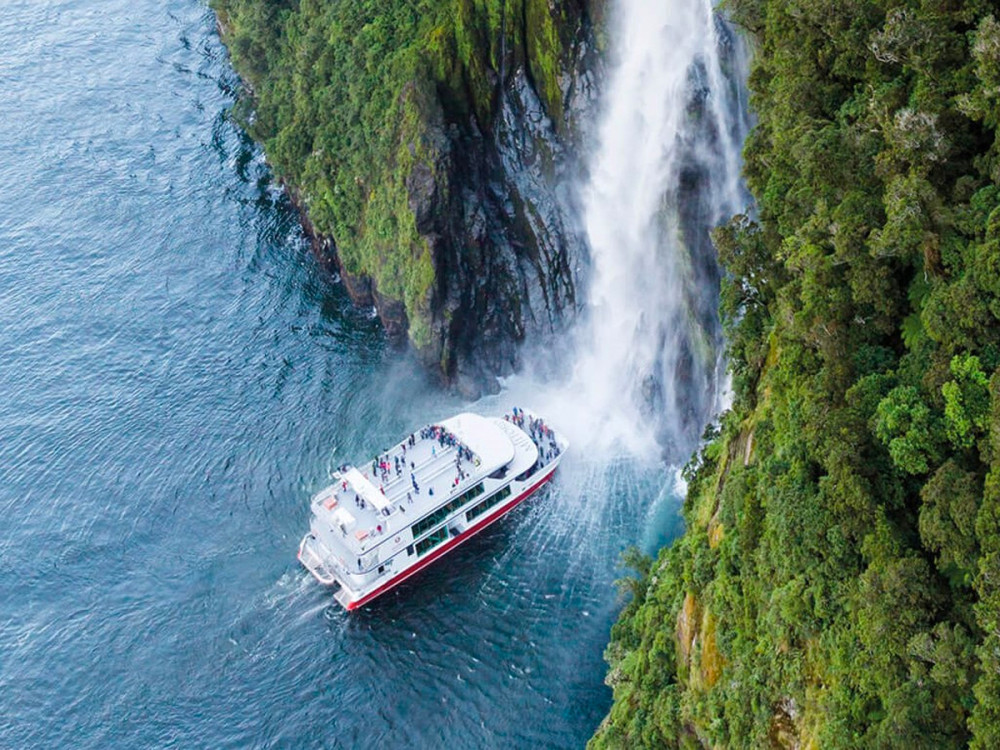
[[179, 375]]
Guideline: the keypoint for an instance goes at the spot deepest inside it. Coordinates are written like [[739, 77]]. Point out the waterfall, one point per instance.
[[665, 170]]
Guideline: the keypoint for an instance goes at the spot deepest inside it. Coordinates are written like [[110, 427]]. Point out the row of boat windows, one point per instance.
[[441, 534], [488, 503], [433, 540], [446, 510]]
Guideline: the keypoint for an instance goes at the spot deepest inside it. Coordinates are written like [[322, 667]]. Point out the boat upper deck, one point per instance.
[[372, 504]]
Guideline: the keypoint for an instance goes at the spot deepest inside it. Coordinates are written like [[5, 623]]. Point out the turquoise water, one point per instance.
[[177, 377]]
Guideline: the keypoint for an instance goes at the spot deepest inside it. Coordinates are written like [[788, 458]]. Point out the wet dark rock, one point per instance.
[[480, 163], [495, 217]]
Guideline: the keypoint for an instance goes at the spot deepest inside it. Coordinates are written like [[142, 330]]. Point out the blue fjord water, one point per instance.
[[177, 376]]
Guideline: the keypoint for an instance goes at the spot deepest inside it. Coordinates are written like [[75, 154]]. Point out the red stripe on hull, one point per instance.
[[450, 545]]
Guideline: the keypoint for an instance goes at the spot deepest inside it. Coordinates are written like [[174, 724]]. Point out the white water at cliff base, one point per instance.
[[641, 374]]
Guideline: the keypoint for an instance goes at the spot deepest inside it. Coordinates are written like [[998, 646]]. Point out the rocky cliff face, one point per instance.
[[837, 582], [442, 193]]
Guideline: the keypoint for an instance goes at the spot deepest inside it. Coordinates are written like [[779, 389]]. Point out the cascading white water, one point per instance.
[[640, 375], [665, 170]]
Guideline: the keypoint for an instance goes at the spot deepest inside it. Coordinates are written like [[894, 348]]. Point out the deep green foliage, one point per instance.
[[839, 582], [340, 102], [352, 98]]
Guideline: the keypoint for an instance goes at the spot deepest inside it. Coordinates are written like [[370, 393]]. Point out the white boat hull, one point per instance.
[[325, 555]]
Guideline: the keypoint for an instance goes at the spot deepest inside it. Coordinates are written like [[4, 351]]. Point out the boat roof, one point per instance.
[[438, 468], [491, 446], [484, 438], [363, 486]]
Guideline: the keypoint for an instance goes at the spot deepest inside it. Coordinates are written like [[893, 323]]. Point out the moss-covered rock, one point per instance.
[[424, 142]]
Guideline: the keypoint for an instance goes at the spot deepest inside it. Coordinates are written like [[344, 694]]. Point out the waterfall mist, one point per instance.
[[664, 170]]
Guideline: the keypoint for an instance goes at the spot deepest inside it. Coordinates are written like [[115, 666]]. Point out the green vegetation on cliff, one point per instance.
[[838, 585], [355, 102]]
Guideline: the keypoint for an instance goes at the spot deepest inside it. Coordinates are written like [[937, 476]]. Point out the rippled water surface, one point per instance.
[[177, 376]]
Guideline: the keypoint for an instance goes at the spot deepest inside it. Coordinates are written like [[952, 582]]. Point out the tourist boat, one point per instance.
[[381, 523]]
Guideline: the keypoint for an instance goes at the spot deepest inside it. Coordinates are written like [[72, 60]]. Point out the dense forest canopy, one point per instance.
[[839, 581], [357, 103]]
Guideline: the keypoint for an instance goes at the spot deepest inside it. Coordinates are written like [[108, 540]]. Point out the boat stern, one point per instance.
[[313, 555]]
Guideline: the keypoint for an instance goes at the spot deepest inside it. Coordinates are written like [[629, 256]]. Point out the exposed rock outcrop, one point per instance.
[[460, 239]]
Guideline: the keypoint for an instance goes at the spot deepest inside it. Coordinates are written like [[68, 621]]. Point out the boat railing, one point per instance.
[[313, 562], [397, 486]]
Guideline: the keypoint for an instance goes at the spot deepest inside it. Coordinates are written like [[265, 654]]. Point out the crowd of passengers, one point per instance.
[[542, 435], [388, 465], [445, 439]]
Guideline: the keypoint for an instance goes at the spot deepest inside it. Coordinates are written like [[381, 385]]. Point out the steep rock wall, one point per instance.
[[429, 147]]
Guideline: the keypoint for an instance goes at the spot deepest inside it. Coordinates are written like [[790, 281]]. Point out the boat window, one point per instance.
[[525, 474], [488, 503], [445, 510], [500, 473], [409, 550], [432, 540]]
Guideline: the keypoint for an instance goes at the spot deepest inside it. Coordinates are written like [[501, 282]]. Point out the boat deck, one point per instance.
[[428, 472], [360, 535]]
